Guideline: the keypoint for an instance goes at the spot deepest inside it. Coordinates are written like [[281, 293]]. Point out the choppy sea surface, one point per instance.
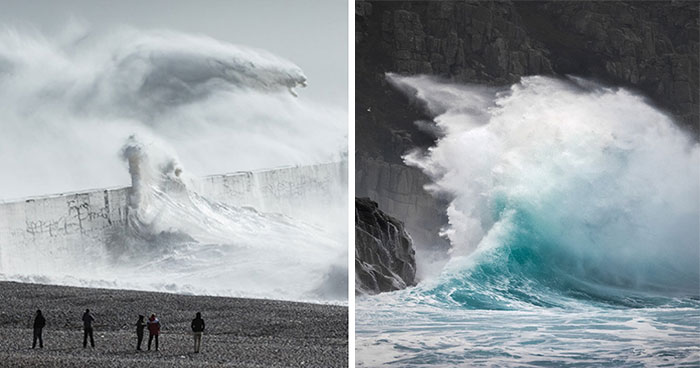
[[392, 330]]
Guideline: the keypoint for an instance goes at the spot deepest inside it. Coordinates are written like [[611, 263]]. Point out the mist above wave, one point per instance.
[[69, 101]]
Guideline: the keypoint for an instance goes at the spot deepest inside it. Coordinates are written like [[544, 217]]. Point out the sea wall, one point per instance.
[[289, 190], [69, 222]]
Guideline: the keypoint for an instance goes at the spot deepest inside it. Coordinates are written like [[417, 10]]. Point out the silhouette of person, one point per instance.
[[197, 330], [39, 323], [153, 330], [87, 328], [140, 325]]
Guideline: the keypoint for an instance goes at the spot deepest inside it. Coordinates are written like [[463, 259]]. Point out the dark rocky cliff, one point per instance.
[[650, 47], [384, 255]]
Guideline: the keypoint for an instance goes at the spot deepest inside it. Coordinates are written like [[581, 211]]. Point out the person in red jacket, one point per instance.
[[153, 330]]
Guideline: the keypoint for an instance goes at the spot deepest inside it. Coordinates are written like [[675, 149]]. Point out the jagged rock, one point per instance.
[[384, 255]]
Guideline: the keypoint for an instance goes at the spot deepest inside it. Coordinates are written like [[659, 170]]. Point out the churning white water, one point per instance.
[[159, 109], [603, 178]]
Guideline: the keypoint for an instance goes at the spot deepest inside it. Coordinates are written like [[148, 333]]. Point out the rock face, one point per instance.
[[650, 47], [384, 255], [398, 190]]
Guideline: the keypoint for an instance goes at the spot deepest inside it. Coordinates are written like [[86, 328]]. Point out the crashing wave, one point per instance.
[[560, 188], [70, 100], [217, 248]]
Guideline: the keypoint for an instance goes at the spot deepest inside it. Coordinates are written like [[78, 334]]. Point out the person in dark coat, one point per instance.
[[140, 325], [153, 330], [88, 319], [39, 323], [197, 330]]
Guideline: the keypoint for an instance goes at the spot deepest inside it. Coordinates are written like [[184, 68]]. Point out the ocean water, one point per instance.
[[402, 329], [574, 220]]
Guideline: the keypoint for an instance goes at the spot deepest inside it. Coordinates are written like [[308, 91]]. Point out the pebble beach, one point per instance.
[[239, 332]]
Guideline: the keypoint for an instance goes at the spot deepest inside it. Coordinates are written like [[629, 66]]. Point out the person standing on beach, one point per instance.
[[39, 323], [197, 330], [140, 325], [87, 328], [153, 330]]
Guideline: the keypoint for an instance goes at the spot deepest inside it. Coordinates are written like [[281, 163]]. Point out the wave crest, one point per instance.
[[562, 185]]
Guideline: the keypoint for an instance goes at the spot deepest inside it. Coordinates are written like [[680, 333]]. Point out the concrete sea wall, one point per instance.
[[70, 222]]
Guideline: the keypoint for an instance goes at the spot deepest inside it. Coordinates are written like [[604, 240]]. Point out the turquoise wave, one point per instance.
[[560, 192], [533, 265]]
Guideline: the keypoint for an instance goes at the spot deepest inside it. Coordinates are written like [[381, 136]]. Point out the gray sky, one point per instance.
[[310, 33]]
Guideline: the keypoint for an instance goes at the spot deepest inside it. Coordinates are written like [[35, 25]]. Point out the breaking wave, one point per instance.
[[220, 249], [562, 191]]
